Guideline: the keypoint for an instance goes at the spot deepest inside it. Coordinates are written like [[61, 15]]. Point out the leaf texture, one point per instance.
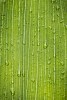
[[33, 49]]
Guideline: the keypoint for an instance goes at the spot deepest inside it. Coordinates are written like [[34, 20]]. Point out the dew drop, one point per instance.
[[19, 98], [62, 63], [64, 96], [49, 58], [4, 1], [11, 43], [14, 15], [61, 21], [6, 27], [60, 36], [12, 91], [33, 80], [24, 43], [38, 44], [32, 54], [33, 43], [42, 25], [7, 48], [47, 67], [50, 82], [62, 78], [65, 83], [30, 10], [49, 76], [49, 62], [62, 72], [12, 82], [53, 20], [45, 27], [57, 7], [45, 46], [50, 27], [7, 63], [35, 35], [58, 14], [66, 26], [23, 74], [3, 15], [5, 93], [41, 17], [18, 41], [45, 92], [54, 31], [19, 72]]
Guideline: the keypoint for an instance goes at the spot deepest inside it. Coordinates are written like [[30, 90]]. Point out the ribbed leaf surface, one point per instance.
[[33, 49]]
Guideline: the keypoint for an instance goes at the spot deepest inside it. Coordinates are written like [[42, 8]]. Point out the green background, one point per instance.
[[33, 49]]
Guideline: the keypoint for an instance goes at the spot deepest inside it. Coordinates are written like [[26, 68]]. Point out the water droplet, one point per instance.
[[57, 7], [12, 82], [38, 43], [32, 54], [65, 83], [5, 93], [45, 46], [19, 98], [50, 27], [18, 41], [30, 10], [19, 72], [64, 96], [33, 43], [11, 43], [12, 91], [23, 74], [53, 20], [24, 43], [62, 63], [49, 76], [33, 80], [45, 92], [62, 72], [14, 15], [49, 62], [60, 36], [66, 26], [3, 15], [38, 50], [61, 21], [47, 67], [4, 1], [58, 14], [62, 78], [38, 29], [7, 48], [49, 58], [35, 35], [53, 1], [42, 25], [50, 82], [54, 31], [7, 27], [41, 17], [45, 27], [7, 63]]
